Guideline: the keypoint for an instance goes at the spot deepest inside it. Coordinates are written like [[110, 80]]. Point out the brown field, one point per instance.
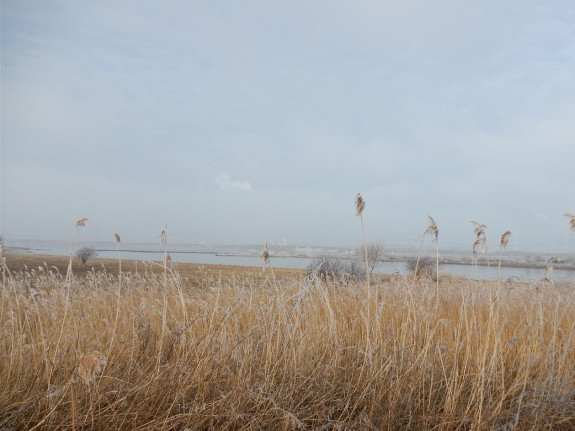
[[193, 271], [200, 347]]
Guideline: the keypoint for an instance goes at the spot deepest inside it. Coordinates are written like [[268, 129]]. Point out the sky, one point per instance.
[[259, 121]]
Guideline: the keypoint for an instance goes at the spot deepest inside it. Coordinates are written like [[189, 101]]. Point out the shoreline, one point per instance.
[[195, 273], [21, 251]]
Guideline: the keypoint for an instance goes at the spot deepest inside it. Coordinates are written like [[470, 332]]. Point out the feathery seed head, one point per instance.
[[478, 242], [432, 228], [505, 239], [479, 228], [265, 256], [81, 222], [359, 205], [117, 238], [164, 235]]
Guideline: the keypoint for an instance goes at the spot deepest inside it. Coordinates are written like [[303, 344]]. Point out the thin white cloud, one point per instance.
[[224, 182]]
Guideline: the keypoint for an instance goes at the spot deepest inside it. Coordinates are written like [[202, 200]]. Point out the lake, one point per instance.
[[483, 273]]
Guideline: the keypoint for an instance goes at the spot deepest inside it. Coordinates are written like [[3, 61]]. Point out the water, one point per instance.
[[212, 255], [483, 273]]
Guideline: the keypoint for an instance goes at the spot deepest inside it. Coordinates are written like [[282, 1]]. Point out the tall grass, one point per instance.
[[294, 356]]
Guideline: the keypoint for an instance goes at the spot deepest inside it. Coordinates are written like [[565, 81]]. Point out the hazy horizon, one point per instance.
[[174, 244], [258, 121]]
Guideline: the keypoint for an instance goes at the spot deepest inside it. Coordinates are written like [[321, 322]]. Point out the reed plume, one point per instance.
[[265, 257], [432, 228], [81, 222], [479, 230], [359, 205], [505, 239]]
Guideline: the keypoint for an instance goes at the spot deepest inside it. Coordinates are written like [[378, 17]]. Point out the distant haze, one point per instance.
[[253, 122]]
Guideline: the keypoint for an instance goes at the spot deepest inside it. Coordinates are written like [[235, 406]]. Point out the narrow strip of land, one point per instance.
[[22, 262]]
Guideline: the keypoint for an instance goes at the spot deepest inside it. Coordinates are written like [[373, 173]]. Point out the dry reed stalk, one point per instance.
[[164, 242], [549, 268], [79, 223], [502, 246], [433, 230], [480, 240], [359, 207], [69, 276], [117, 241], [265, 257]]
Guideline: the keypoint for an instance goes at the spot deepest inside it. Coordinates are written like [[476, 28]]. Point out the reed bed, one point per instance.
[[255, 353]]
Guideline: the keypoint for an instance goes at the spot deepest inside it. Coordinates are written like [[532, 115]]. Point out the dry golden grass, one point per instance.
[[243, 352]]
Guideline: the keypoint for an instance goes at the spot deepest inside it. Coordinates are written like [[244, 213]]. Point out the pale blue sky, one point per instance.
[[246, 122]]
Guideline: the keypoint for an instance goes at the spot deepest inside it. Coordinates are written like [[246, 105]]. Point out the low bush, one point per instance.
[[333, 267]]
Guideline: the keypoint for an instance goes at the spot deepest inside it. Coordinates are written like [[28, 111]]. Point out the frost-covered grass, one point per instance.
[[248, 352]]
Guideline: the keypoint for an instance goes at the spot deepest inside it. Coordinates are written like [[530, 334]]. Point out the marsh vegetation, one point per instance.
[[165, 351]]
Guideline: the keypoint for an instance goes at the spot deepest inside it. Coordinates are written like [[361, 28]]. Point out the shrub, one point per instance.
[[425, 267], [375, 251], [336, 268], [86, 253]]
